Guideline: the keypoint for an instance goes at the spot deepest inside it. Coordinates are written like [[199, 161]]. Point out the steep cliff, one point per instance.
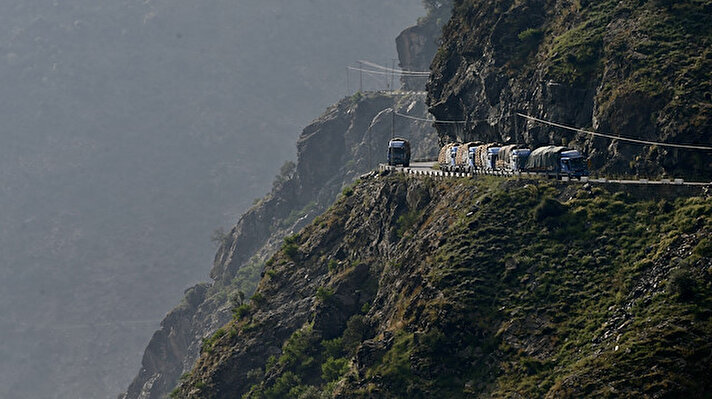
[[410, 287], [347, 140], [632, 68], [418, 44]]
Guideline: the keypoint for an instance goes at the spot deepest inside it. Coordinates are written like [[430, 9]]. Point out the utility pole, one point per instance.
[[348, 82], [368, 143], [393, 121], [360, 76], [388, 78], [393, 75]]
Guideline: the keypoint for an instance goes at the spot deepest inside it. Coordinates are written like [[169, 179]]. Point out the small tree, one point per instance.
[[219, 236], [286, 172]]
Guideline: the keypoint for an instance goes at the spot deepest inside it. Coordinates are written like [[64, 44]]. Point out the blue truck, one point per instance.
[[556, 160], [399, 152]]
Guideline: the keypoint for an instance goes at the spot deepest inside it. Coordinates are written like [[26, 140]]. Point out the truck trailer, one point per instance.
[[556, 160]]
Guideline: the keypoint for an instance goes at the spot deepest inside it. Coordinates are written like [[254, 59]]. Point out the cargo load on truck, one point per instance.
[[504, 157], [481, 158], [556, 159], [399, 152], [545, 159], [443, 155], [446, 157], [512, 157], [462, 158]]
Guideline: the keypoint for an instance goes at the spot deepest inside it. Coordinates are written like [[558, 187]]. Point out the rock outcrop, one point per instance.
[[418, 44], [348, 140], [628, 68], [410, 287]]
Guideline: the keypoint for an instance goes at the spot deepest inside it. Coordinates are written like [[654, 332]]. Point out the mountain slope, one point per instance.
[[332, 151], [633, 68], [476, 288], [131, 130]]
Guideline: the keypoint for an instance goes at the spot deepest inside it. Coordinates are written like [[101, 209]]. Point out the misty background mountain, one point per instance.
[[130, 131]]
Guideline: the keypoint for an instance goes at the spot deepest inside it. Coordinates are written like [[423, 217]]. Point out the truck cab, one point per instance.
[[519, 159], [399, 152], [492, 158], [453, 155], [573, 164], [471, 158]]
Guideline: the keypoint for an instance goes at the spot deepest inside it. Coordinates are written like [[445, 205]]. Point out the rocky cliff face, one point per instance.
[[418, 44], [632, 68], [348, 140], [412, 287]]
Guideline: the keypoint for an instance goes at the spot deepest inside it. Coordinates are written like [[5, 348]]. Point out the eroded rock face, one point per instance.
[[604, 66], [348, 140], [418, 44], [412, 287], [416, 49]]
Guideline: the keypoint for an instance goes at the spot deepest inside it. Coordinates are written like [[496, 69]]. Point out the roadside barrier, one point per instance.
[[441, 174]]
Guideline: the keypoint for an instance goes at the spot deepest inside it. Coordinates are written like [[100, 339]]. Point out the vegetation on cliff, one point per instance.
[[634, 68], [477, 288], [347, 140]]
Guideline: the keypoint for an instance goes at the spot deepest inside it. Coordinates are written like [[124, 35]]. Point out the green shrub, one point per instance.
[[209, 343], [333, 347], [530, 34], [258, 299], [333, 265], [548, 208], [357, 330], [282, 386], [324, 294], [291, 246], [365, 308], [241, 311], [291, 250], [220, 237], [406, 221], [305, 392], [704, 248], [356, 97], [298, 351], [682, 284], [333, 369]]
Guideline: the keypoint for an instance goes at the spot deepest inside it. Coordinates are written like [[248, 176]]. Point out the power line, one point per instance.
[[371, 75], [388, 73], [427, 120], [404, 73], [374, 65], [610, 136]]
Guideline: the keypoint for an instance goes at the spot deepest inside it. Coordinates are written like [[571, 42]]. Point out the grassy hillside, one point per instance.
[[477, 288]]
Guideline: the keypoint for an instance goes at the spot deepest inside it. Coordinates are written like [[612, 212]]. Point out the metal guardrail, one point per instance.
[[488, 172]]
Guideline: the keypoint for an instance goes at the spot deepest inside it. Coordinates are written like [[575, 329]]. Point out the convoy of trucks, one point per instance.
[[477, 156]]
